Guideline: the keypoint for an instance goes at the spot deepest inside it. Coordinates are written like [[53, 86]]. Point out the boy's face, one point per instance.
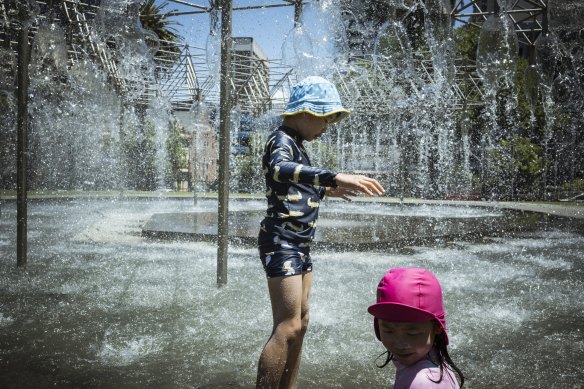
[[311, 127], [408, 341]]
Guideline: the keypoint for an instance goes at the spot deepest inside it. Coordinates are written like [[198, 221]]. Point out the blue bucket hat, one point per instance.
[[317, 96]]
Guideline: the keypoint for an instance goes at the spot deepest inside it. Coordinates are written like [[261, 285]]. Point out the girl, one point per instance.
[[409, 319]]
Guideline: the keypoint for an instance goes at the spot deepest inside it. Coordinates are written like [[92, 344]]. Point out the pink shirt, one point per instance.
[[421, 375]]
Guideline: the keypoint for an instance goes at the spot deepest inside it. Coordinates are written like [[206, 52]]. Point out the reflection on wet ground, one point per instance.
[[372, 227]]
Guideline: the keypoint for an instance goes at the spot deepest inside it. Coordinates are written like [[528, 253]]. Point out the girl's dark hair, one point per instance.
[[443, 356]]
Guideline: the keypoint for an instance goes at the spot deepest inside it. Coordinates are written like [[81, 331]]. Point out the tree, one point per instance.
[[248, 167], [154, 19], [146, 179], [177, 156]]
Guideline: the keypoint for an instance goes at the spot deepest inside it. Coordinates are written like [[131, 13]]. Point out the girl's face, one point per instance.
[[408, 341]]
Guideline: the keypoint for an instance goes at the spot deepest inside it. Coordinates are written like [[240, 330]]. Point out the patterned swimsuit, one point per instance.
[[294, 191]]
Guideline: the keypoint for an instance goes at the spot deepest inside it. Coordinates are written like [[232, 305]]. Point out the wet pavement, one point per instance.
[[101, 306]]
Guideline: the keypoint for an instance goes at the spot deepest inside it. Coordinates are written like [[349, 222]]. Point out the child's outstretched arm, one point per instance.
[[279, 163], [359, 183]]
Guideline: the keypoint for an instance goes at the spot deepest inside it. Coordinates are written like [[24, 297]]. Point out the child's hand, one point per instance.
[[343, 193], [359, 183]]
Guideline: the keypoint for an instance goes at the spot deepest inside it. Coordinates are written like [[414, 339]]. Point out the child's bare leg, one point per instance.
[[295, 350], [286, 299]]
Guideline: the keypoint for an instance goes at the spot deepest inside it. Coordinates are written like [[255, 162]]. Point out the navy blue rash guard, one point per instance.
[[294, 190]]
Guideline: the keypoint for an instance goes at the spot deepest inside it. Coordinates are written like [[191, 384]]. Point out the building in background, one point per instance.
[[202, 147], [251, 76], [251, 82]]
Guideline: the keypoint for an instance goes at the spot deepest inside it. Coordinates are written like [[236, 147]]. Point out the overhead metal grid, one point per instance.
[[186, 77], [258, 85], [529, 18], [182, 78], [527, 15], [380, 90]]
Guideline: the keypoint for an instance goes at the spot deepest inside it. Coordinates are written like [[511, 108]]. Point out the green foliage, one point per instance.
[[323, 155], [154, 19], [527, 163], [530, 117], [498, 174], [514, 169], [177, 156], [138, 148], [146, 179], [527, 155], [574, 185], [7, 144], [389, 45], [4, 103], [248, 167], [466, 40]]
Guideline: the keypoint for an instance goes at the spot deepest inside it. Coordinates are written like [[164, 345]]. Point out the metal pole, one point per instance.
[[193, 173], [297, 12], [492, 6], [194, 155], [22, 148], [224, 142]]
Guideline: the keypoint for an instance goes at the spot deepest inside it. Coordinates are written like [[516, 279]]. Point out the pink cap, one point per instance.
[[409, 295]]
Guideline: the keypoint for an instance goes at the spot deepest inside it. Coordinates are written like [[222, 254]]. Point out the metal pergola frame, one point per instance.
[[183, 78], [251, 96], [186, 78], [528, 16]]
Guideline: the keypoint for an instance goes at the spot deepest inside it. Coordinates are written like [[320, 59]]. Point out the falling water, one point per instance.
[[496, 65], [8, 122], [567, 86], [313, 47], [66, 150], [117, 23], [213, 50], [83, 128], [158, 116], [403, 120]]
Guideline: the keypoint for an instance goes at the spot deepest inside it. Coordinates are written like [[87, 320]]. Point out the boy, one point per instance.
[[294, 191]]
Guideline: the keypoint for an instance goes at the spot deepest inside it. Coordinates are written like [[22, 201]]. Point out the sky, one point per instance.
[[269, 27]]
